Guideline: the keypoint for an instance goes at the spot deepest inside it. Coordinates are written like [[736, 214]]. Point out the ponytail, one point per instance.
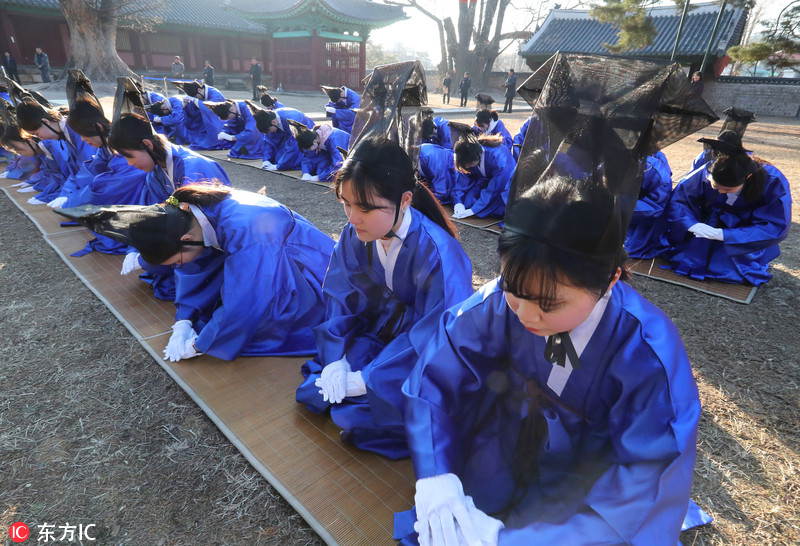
[[425, 202]]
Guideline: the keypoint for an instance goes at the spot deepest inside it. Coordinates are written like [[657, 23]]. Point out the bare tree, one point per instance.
[[476, 44], [93, 33]]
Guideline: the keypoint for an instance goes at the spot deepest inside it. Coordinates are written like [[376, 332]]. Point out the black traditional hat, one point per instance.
[[304, 136], [263, 116], [334, 93], [728, 142], [737, 120], [266, 99], [19, 94], [128, 100], [154, 230], [221, 109], [484, 101], [600, 118], [85, 109], [391, 106], [189, 88]]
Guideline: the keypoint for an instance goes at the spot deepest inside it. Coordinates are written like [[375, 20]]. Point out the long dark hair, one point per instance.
[[380, 167], [485, 117], [84, 117], [128, 132], [30, 115], [525, 258], [202, 195], [739, 169]]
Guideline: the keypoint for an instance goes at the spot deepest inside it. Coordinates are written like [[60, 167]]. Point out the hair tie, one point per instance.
[[172, 200]]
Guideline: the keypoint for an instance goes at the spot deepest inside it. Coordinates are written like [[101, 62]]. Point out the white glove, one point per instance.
[[26, 189], [355, 384], [34, 201], [23, 184], [458, 208], [306, 176], [4, 174], [131, 263], [487, 526], [314, 178], [443, 517], [157, 119], [57, 203], [333, 381], [463, 214], [269, 166], [330, 109], [706, 232], [182, 332], [225, 136]]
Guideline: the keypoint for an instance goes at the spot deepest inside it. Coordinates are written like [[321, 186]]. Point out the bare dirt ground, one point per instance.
[[92, 431]]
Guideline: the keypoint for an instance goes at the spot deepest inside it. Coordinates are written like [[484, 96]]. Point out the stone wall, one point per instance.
[[766, 99]]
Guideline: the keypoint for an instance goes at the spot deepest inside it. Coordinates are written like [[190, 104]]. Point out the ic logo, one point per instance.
[[19, 532]]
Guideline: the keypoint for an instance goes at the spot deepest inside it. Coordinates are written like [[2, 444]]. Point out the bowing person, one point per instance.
[[248, 270]]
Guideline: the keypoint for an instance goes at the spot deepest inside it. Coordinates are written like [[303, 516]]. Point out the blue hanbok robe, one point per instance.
[[342, 118], [153, 97], [20, 167], [281, 147], [499, 128], [616, 462], [485, 189], [437, 169], [111, 181], [78, 152], [202, 124], [275, 105], [258, 291], [648, 225], [751, 231], [184, 167], [174, 123], [351, 100], [249, 140], [53, 169], [442, 136], [381, 330], [326, 160]]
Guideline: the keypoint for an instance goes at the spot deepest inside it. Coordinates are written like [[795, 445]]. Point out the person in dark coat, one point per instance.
[[255, 77], [42, 62], [10, 64], [208, 73], [464, 86], [446, 83], [511, 90]]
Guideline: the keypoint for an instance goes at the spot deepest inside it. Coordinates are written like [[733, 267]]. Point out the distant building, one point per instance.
[[303, 43], [573, 31]]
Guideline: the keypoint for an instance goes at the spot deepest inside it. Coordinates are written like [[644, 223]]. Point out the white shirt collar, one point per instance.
[[278, 119], [170, 166], [209, 235], [388, 258], [732, 197], [492, 125], [580, 337], [62, 124]]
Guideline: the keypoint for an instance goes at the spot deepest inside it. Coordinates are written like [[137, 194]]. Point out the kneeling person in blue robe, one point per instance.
[[396, 267], [248, 270], [322, 150], [239, 128], [281, 152], [727, 219]]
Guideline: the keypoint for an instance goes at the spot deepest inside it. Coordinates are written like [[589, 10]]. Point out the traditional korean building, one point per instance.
[[303, 43], [573, 31]]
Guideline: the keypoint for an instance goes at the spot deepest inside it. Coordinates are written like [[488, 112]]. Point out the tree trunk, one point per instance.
[[93, 37]]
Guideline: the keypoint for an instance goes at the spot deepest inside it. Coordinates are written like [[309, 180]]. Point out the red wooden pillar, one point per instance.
[[276, 73], [63, 30], [224, 63], [10, 42], [148, 53], [317, 58], [136, 50]]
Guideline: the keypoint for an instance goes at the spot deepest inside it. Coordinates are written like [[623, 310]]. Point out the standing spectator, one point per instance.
[[255, 76], [208, 73], [511, 90], [697, 83], [464, 87], [177, 67], [10, 65], [446, 82], [42, 62]]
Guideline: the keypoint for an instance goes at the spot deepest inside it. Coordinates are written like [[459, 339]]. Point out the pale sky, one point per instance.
[[420, 33]]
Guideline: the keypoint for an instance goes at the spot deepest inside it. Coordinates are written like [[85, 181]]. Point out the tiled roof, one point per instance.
[[203, 14], [573, 31], [355, 11]]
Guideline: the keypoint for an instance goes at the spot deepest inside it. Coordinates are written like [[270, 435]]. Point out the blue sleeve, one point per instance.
[[519, 138], [499, 168], [176, 116], [770, 221], [306, 165], [271, 141], [461, 185], [249, 134], [683, 209], [655, 191], [195, 168], [235, 321]]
